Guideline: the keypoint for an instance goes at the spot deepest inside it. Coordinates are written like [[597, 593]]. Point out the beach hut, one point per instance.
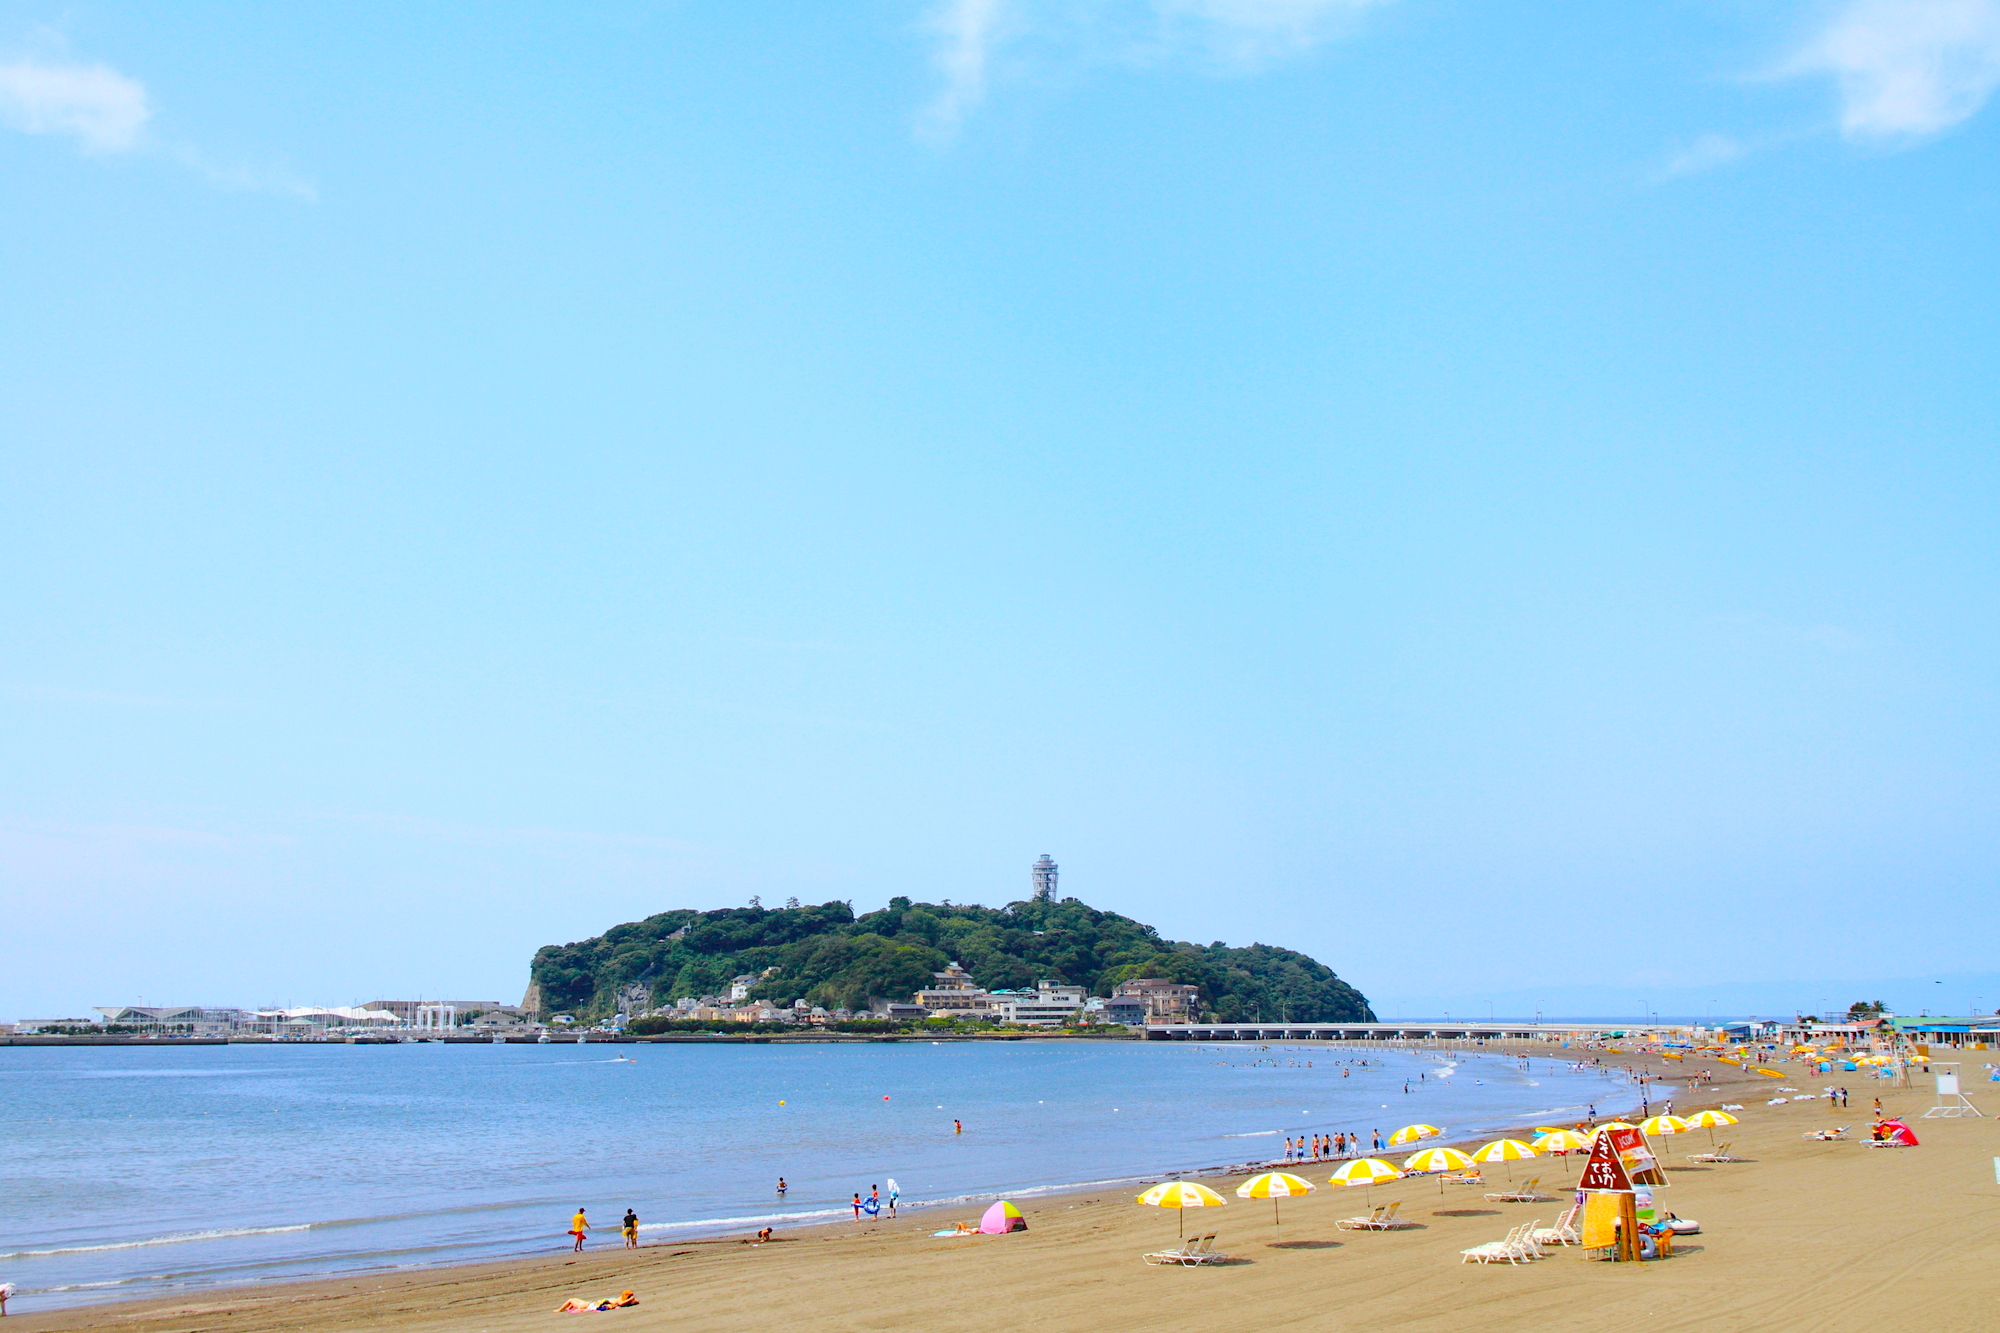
[[1002, 1218]]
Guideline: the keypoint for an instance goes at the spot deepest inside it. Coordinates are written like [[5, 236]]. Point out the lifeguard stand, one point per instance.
[[1950, 1101]]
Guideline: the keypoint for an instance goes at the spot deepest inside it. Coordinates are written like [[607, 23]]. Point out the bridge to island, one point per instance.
[[1418, 1031]]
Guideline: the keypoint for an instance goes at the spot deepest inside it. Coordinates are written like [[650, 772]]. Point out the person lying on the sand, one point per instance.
[[575, 1306]]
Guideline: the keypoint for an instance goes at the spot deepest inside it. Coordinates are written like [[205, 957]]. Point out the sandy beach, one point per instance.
[[1800, 1235]]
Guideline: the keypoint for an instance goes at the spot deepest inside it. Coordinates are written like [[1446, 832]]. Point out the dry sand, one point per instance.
[[1804, 1235]]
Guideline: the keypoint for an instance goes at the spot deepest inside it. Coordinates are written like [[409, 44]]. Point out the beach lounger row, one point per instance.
[[1386, 1217], [1527, 1192], [1519, 1247], [1194, 1251]]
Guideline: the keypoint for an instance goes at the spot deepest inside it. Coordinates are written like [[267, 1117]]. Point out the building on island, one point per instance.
[[1049, 1004], [954, 993], [1165, 1001], [1043, 873], [1127, 1009]]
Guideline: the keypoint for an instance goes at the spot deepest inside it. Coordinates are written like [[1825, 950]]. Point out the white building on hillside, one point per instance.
[[1048, 1005]]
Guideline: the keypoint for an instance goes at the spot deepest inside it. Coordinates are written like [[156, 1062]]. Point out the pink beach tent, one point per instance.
[[1898, 1132], [1001, 1218]]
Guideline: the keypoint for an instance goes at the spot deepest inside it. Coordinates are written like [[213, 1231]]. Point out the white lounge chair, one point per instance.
[[1524, 1193], [1191, 1253], [1720, 1154], [1517, 1248], [1368, 1223], [1564, 1232]]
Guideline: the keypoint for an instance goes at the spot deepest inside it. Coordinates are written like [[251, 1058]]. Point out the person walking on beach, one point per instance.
[[578, 1225], [874, 1205], [630, 1228], [857, 1205], [894, 1194], [1378, 1139]]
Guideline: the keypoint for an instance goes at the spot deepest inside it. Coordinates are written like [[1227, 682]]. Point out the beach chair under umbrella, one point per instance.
[[1181, 1195]]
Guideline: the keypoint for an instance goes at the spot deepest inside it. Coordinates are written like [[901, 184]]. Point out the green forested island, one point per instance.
[[829, 957]]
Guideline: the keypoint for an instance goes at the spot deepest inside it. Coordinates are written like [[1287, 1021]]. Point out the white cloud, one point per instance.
[[1907, 68], [1250, 33], [106, 112], [1235, 35], [1705, 153], [96, 104], [967, 31]]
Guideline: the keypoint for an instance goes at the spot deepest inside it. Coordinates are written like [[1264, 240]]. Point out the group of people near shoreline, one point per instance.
[[579, 1227]]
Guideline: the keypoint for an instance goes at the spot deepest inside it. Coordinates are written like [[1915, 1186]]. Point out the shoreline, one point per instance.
[[1799, 1235], [819, 1223]]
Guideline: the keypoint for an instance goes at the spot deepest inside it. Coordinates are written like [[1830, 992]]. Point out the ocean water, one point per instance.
[[128, 1171]]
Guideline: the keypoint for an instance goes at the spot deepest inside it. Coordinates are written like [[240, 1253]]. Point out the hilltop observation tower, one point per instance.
[[1044, 872]]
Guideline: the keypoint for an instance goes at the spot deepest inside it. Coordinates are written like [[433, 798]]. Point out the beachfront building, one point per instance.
[[1165, 1001], [411, 1013], [194, 1019], [1977, 1032], [1048, 1005], [28, 1027], [954, 993], [1127, 1009]]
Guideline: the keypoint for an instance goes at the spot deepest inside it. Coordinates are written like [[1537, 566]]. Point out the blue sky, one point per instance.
[[1500, 501]]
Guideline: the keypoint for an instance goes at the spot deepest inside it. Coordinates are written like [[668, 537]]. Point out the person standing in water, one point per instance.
[[630, 1228], [781, 1187], [579, 1225], [956, 1127], [857, 1205]]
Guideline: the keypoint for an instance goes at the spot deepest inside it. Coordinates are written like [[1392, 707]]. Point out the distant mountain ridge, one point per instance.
[[829, 957]]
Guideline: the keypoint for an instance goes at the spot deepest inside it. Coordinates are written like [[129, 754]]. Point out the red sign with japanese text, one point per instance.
[[1604, 1172]]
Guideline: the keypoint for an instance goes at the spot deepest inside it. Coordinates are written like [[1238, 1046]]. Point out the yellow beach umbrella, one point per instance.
[[1562, 1141], [1505, 1150], [1665, 1124], [1709, 1120], [1365, 1171], [1274, 1185], [1548, 1129], [1182, 1195], [1412, 1133], [1436, 1159]]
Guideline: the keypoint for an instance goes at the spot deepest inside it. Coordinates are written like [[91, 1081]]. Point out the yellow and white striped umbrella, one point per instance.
[[1665, 1124], [1367, 1171], [1436, 1159], [1412, 1133], [1710, 1119], [1562, 1141], [1274, 1185], [1504, 1150], [1181, 1195]]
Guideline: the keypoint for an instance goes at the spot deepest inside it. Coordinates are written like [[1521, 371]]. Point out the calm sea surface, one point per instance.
[[127, 1171]]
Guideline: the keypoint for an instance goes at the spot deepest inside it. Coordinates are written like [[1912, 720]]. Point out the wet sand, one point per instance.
[[1801, 1235]]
